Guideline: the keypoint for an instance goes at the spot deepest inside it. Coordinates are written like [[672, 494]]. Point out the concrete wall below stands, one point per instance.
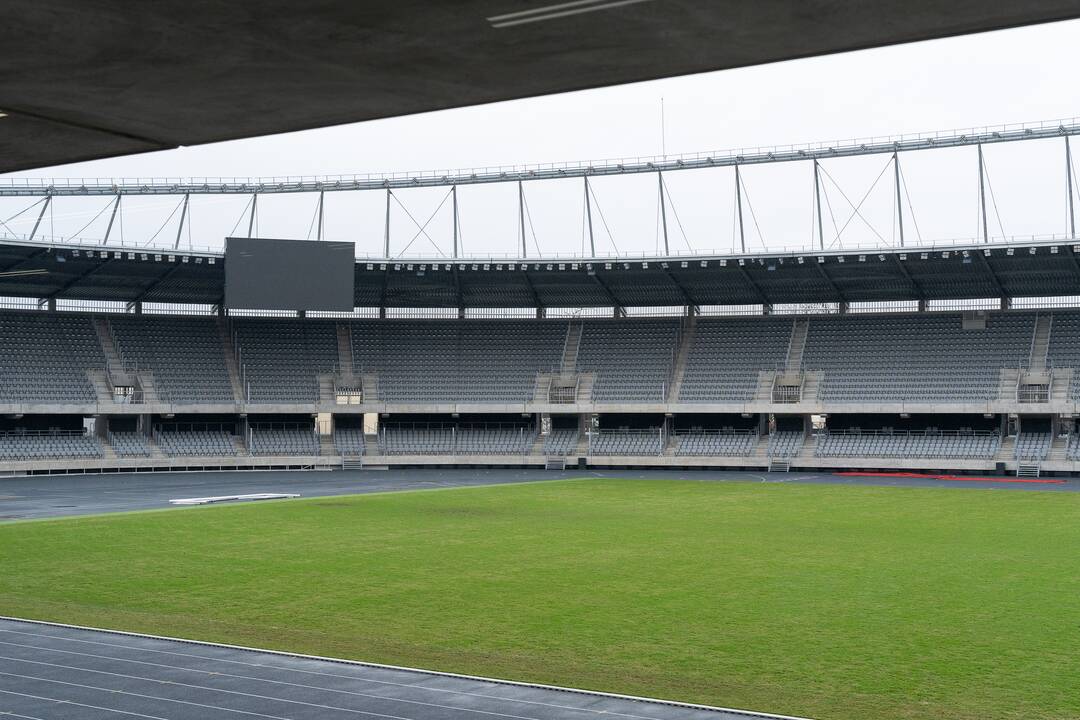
[[331, 462]]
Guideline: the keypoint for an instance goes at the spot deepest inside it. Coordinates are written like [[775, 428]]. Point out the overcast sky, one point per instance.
[[1027, 74]]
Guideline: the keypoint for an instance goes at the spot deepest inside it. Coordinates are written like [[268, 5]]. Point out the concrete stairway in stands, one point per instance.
[[686, 341], [232, 363], [571, 347]]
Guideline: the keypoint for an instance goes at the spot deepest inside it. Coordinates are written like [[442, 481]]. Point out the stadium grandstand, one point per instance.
[[963, 358]]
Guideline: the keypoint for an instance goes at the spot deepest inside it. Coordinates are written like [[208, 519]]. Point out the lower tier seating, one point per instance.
[[177, 443], [283, 441], [627, 442], [907, 445], [48, 446], [715, 443]]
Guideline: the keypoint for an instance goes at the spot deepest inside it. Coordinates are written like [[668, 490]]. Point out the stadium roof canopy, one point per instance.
[[84, 80], [955, 272]]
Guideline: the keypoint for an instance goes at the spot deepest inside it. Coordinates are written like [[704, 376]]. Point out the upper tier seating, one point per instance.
[[282, 358], [185, 355], [1064, 349], [44, 357], [48, 446], [726, 356], [443, 361], [284, 441], [907, 445], [632, 358], [907, 358], [716, 443]]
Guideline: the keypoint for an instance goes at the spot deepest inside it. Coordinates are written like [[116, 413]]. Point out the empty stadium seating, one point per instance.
[[1033, 445], [925, 358], [129, 444], [437, 361], [633, 358], [904, 444], [48, 445], [727, 355], [785, 443], [185, 356], [561, 442], [717, 443], [281, 359], [195, 442], [648, 441], [283, 441], [46, 356], [349, 441]]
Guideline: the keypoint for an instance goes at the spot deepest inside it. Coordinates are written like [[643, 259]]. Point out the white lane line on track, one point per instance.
[[111, 691], [75, 704], [311, 672], [257, 696], [263, 680], [398, 668]]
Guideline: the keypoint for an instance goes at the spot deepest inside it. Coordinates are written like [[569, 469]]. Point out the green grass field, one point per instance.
[[824, 601]]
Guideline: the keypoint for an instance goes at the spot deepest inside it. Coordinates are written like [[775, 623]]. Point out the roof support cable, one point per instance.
[[170, 217], [753, 215], [80, 231], [671, 202], [993, 200], [25, 209], [603, 220], [532, 228], [855, 208], [911, 209], [243, 214], [422, 228]]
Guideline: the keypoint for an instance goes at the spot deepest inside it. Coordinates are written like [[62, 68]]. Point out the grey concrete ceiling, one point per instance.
[[83, 79]]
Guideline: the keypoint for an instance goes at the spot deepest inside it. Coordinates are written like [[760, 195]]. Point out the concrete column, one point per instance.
[[541, 312], [1006, 303]]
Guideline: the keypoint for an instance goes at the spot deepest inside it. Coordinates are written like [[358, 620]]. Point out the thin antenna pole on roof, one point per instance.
[[588, 218], [899, 205], [453, 193], [183, 215], [663, 212], [112, 218], [41, 215], [817, 202], [738, 205], [663, 130], [982, 196], [251, 218]]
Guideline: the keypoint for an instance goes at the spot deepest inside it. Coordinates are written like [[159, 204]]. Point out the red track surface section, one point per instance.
[[954, 478]]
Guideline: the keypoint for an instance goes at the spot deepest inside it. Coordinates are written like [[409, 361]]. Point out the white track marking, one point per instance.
[[257, 696], [257, 679], [399, 668], [305, 672], [111, 691], [76, 704]]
